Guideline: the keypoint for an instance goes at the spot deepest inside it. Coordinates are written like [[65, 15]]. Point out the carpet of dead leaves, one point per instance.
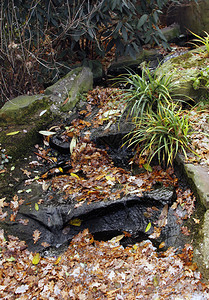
[[99, 270], [102, 270]]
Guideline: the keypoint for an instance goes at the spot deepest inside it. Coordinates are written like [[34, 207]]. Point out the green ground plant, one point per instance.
[[146, 91], [162, 134], [201, 40], [202, 79]]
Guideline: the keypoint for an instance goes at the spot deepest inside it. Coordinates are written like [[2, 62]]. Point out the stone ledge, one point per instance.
[[199, 178]]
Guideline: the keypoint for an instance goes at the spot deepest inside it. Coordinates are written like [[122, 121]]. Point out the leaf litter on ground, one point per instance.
[[102, 270], [99, 270]]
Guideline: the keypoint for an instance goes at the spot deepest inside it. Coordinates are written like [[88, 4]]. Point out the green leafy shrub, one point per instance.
[[40, 40], [147, 91], [162, 134]]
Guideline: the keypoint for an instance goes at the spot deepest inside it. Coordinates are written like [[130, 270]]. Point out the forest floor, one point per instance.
[[90, 269]]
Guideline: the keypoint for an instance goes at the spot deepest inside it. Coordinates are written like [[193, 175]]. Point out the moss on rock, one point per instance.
[[66, 92], [23, 109], [184, 69]]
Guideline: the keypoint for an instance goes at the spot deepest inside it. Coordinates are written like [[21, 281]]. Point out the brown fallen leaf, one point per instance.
[[23, 221], [163, 217], [185, 230], [2, 204], [26, 172], [197, 221], [36, 235], [45, 244]]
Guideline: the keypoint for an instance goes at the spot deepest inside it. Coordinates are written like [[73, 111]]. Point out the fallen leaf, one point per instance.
[[197, 221], [13, 133], [156, 280], [36, 206], [110, 178], [116, 239], [21, 289], [162, 221], [2, 204], [36, 235], [47, 133], [11, 259], [75, 222], [58, 260], [45, 244], [111, 275], [73, 144], [26, 172], [147, 167], [74, 175], [36, 259], [156, 233], [23, 221], [162, 245], [148, 227], [127, 234], [42, 112], [185, 230]]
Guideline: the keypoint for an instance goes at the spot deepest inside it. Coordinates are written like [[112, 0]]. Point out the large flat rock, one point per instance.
[[199, 178]]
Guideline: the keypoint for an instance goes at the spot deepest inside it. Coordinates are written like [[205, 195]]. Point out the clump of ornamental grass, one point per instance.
[[146, 91], [163, 134], [201, 40]]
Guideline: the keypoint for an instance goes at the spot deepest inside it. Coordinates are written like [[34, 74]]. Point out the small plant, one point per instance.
[[163, 134], [4, 159], [145, 92], [202, 40], [202, 79]]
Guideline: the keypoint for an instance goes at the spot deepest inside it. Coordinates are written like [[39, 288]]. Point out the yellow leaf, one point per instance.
[[60, 169], [13, 133], [99, 177], [110, 178], [162, 245], [148, 227], [36, 206], [117, 238], [36, 259], [58, 260], [98, 187], [75, 222], [135, 247], [155, 280], [11, 259], [74, 175]]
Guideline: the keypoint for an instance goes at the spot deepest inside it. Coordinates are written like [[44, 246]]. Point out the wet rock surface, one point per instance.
[[58, 221]]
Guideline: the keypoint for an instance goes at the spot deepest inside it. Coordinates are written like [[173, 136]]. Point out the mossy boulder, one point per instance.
[[184, 69], [66, 92], [23, 109], [27, 115]]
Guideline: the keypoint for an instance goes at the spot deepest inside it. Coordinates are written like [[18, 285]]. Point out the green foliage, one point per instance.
[[163, 134], [202, 40], [40, 40], [86, 24], [202, 79], [146, 91]]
